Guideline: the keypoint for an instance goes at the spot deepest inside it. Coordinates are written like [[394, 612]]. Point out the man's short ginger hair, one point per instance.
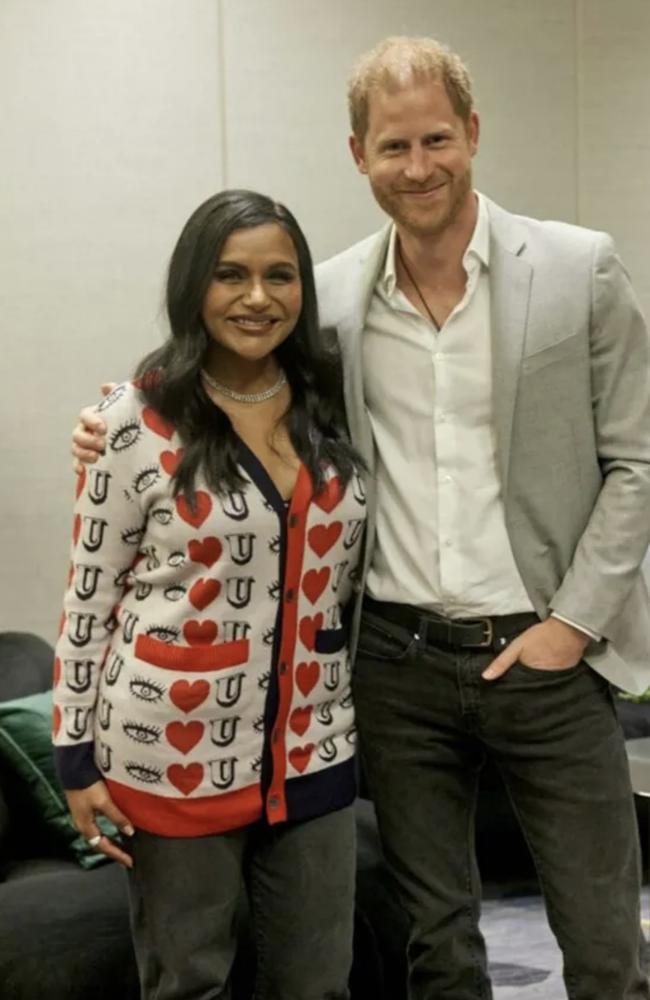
[[399, 61]]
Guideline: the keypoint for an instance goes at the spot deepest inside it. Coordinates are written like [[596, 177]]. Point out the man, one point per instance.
[[497, 381]]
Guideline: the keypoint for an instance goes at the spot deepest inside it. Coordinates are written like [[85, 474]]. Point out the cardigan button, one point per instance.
[[274, 802], [289, 596], [283, 667], [293, 521]]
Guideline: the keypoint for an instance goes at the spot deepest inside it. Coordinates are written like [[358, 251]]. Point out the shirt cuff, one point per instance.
[[580, 628]]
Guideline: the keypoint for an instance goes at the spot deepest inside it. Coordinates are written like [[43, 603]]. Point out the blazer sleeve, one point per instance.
[[609, 554]]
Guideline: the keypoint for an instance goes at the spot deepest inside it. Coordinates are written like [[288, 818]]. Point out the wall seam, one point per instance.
[[221, 76], [578, 14]]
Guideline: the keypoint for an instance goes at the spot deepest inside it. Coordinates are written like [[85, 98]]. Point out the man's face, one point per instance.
[[417, 154]]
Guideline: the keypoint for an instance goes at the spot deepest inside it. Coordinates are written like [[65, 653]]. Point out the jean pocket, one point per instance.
[[548, 673], [378, 641]]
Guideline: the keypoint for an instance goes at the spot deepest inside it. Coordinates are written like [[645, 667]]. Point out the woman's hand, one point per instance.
[[89, 436], [85, 804]]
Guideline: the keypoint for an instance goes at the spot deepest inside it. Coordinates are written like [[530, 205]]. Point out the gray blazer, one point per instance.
[[571, 383]]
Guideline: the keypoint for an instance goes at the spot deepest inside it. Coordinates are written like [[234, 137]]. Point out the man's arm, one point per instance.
[[609, 553], [612, 547]]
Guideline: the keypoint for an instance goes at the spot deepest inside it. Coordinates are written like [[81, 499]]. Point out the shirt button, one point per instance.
[[447, 479], [274, 802]]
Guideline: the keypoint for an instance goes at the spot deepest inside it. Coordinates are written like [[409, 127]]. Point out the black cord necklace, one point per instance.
[[417, 289]]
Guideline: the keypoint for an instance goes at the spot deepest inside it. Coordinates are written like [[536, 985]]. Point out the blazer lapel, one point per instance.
[[350, 328], [510, 282]]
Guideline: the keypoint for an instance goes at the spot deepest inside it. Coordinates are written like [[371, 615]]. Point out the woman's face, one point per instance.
[[255, 296]]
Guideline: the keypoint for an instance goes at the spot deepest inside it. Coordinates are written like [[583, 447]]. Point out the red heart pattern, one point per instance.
[[56, 678], [200, 633], [314, 583], [322, 537], [299, 757], [299, 720], [185, 777], [307, 675], [208, 551], [197, 514], [330, 495], [170, 460], [157, 424], [76, 528], [184, 735], [81, 482], [308, 628], [188, 695], [204, 592], [56, 720]]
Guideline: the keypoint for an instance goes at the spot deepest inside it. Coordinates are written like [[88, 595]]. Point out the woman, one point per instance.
[[202, 679]]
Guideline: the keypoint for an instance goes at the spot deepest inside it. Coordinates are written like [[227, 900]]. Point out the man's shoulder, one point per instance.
[[356, 254], [545, 235]]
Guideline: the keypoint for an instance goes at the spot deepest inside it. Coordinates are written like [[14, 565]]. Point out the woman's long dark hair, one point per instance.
[[170, 376]]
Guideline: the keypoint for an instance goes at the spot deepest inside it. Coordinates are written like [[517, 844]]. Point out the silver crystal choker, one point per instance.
[[245, 397]]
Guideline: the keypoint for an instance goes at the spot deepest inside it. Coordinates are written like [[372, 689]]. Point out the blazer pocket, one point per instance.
[[563, 352]]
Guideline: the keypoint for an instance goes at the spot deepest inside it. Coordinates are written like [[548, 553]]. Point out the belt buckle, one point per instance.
[[489, 636]]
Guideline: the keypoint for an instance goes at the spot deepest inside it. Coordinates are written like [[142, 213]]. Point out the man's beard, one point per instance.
[[427, 223]]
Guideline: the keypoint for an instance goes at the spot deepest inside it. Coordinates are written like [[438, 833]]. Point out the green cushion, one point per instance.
[[26, 752]]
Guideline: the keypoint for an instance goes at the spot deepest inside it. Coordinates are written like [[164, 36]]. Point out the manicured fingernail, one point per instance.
[[488, 674], [128, 829]]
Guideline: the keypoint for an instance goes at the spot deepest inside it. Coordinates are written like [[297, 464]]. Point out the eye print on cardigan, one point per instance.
[[146, 690], [153, 562], [176, 559], [263, 681], [274, 544], [176, 592], [258, 725], [256, 766], [125, 436], [112, 397], [268, 637], [146, 773], [132, 536], [146, 478], [162, 515], [165, 633], [273, 590], [141, 733]]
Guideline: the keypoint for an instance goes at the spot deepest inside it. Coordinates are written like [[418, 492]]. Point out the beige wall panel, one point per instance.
[[110, 136], [614, 163], [285, 68]]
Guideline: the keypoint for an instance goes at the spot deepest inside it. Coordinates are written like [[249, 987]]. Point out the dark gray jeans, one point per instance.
[[300, 879], [426, 722]]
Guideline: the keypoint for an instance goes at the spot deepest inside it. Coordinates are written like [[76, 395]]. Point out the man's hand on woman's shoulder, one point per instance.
[[89, 435]]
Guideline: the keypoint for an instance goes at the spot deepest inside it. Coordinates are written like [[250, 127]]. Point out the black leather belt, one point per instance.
[[461, 633]]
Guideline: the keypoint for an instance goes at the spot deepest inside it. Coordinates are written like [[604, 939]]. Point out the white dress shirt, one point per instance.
[[441, 540]]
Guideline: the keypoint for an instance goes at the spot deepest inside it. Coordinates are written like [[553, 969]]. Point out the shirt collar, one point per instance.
[[478, 248]]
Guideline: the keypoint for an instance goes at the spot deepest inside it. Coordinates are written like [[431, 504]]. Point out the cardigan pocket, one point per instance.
[[330, 640], [192, 658]]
